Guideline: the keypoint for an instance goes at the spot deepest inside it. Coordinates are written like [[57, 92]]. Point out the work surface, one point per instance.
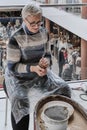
[[78, 92], [77, 89]]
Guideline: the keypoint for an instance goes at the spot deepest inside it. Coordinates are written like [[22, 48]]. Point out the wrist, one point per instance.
[[31, 68]]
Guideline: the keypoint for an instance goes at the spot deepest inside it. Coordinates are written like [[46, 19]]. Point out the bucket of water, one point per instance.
[[55, 118]]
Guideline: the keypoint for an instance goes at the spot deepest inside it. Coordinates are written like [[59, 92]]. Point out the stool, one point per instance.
[[6, 108], [3, 88]]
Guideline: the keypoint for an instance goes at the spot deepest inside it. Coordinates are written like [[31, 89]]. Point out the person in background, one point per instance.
[[28, 63], [17, 24], [61, 60], [63, 43], [55, 29], [10, 29], [78, 66], [66, 56], [2, 31], [4, 62]]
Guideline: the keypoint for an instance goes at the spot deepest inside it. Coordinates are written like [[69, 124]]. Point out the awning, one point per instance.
[[70, 22]]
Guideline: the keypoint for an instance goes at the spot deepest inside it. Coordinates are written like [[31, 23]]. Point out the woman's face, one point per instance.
[[33, 23]]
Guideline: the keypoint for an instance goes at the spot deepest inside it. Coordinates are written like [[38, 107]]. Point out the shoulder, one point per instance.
[[44, 32], [12, 41], [19, 31], [43, 29]]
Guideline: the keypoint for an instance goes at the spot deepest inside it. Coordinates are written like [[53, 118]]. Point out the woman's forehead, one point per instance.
[[38, 16]]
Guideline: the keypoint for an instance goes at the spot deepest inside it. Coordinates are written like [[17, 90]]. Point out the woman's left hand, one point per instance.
[[44, 63]]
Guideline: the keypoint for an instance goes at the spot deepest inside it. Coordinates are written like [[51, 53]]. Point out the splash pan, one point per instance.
[[77, 114]]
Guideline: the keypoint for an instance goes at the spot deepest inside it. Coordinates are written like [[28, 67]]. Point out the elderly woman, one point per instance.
[[27, 66]]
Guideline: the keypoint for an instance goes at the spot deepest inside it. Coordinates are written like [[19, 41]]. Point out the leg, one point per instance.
[[23, 124], [60, 69]]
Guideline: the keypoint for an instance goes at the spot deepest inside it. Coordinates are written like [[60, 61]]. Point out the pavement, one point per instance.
[[55, 65]]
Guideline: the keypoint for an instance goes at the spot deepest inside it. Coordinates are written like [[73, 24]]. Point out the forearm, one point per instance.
[[17, 67], [14, 55], [23, 72]]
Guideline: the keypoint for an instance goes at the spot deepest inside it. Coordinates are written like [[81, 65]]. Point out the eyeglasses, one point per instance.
[[33, 24]]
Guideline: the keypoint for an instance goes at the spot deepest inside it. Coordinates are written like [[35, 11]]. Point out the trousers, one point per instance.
[[23, 124]]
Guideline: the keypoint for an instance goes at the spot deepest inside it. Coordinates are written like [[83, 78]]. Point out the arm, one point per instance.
[[14, 62], [16, 66]]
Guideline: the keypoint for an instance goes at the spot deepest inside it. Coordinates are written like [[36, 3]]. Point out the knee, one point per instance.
[[64, 90]]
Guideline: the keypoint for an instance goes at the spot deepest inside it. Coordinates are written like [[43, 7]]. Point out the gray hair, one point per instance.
[[31, 9]]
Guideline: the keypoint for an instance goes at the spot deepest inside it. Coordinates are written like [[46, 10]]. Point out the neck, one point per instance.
[[26, 29]]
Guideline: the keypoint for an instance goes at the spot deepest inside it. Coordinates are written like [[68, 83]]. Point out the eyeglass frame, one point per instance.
[[33, 24]]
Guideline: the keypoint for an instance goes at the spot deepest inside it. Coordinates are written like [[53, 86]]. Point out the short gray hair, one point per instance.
[[31, 9]]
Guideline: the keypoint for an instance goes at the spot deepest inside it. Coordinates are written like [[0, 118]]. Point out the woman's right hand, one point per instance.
[[40, 71]]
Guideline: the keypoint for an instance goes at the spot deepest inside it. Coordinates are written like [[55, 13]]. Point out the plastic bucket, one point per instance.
[[55, 118]]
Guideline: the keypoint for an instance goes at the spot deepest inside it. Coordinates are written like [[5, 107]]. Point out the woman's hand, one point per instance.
[[40, 71], [44, 63]]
